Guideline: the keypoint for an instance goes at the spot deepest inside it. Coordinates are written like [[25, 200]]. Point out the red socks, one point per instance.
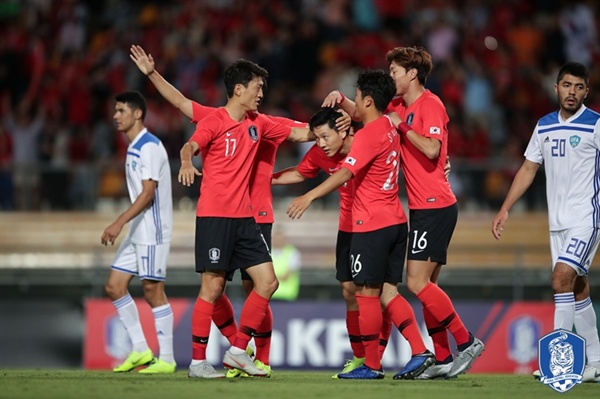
[[262, 338], [201, 317], [403, 318], [384, 335], [438, 304], [354, 333], [370, 319], [223, 317], [439, 336], [252, 316]]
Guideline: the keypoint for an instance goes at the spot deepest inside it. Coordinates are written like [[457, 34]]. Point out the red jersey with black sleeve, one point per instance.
[[373, 160], [316, 160], [228, 149], [426, 183], [261, 195]]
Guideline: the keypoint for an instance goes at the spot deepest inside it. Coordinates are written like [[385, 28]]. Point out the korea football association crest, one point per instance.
[[574, 141], [253, 133], [214, 254], [561, 360]]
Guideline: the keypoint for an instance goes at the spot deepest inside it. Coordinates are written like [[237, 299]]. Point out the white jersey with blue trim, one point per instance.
[[147, 160], [571, 152]]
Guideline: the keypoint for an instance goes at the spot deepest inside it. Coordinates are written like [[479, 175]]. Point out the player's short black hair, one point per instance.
[[575, 69], [379, 85], [242, 72], [325, 115], [134, 99]]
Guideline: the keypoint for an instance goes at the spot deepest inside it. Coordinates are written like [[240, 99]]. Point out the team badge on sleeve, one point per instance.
[[434, 130], [350, 161], [561, 360]]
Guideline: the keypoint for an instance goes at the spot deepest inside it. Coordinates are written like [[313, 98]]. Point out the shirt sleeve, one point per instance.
[[597, 134], [361, 154], [533, 152], [308, 167], [200, 111], [273, 131], [435, 120], [205, 133], [149, 165], [286, 121]]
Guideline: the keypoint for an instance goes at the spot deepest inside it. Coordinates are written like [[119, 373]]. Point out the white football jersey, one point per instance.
[[571, 152], [147, 160]]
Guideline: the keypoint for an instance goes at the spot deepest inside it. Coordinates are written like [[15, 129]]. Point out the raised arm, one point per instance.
[[520, 184], [145, 64]]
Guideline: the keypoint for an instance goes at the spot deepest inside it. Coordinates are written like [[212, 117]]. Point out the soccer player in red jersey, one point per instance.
[[227, 236], [260, 195], [422, 124], [379, 227], [331, 148]]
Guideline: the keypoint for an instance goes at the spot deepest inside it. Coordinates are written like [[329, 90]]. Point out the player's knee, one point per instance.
[[561, 283], [414, 285], [114, 291], [247, 285]]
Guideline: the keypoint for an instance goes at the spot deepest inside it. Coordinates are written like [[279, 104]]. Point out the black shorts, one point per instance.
[[229, 244], [430, 233], [267, 230], [342, 256], [377, 257]]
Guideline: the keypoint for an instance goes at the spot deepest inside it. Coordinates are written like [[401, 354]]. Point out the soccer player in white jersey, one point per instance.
[[568, 141], [145, 250]]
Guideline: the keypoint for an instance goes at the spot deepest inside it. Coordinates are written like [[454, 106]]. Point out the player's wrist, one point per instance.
[[404, 128], [342, 97]]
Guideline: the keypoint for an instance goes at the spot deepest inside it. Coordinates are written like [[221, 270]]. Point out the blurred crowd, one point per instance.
[[62, 62]]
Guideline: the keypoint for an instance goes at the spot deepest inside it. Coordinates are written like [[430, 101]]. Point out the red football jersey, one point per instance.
[[373, 160], [315, 160], [426, 183], [261, 196], [228, 150]]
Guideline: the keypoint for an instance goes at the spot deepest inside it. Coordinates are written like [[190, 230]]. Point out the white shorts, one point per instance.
[[575, 247], [146, 261]]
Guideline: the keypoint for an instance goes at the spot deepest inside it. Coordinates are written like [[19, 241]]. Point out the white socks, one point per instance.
[[163, 321], [585, 325], [564, 311], [130, 318]]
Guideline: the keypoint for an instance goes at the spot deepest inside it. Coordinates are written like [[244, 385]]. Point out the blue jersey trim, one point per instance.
[[133, 154], [588, 117], [567, 128], [145, 139]]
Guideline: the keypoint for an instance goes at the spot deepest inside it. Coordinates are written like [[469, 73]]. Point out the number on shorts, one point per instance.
[[576, 247], [355, 265], [419, 243]]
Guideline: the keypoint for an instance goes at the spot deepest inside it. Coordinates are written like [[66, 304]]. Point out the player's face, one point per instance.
[[571, 92], [359, 109], [252, 95], [328, 139], [400, 76], [124, 117]]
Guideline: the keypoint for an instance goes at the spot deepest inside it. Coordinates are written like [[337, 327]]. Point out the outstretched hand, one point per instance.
[[298, 206], [144, 62], [187, 173]]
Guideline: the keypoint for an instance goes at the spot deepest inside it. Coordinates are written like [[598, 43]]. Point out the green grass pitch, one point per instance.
[[79, 384]]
